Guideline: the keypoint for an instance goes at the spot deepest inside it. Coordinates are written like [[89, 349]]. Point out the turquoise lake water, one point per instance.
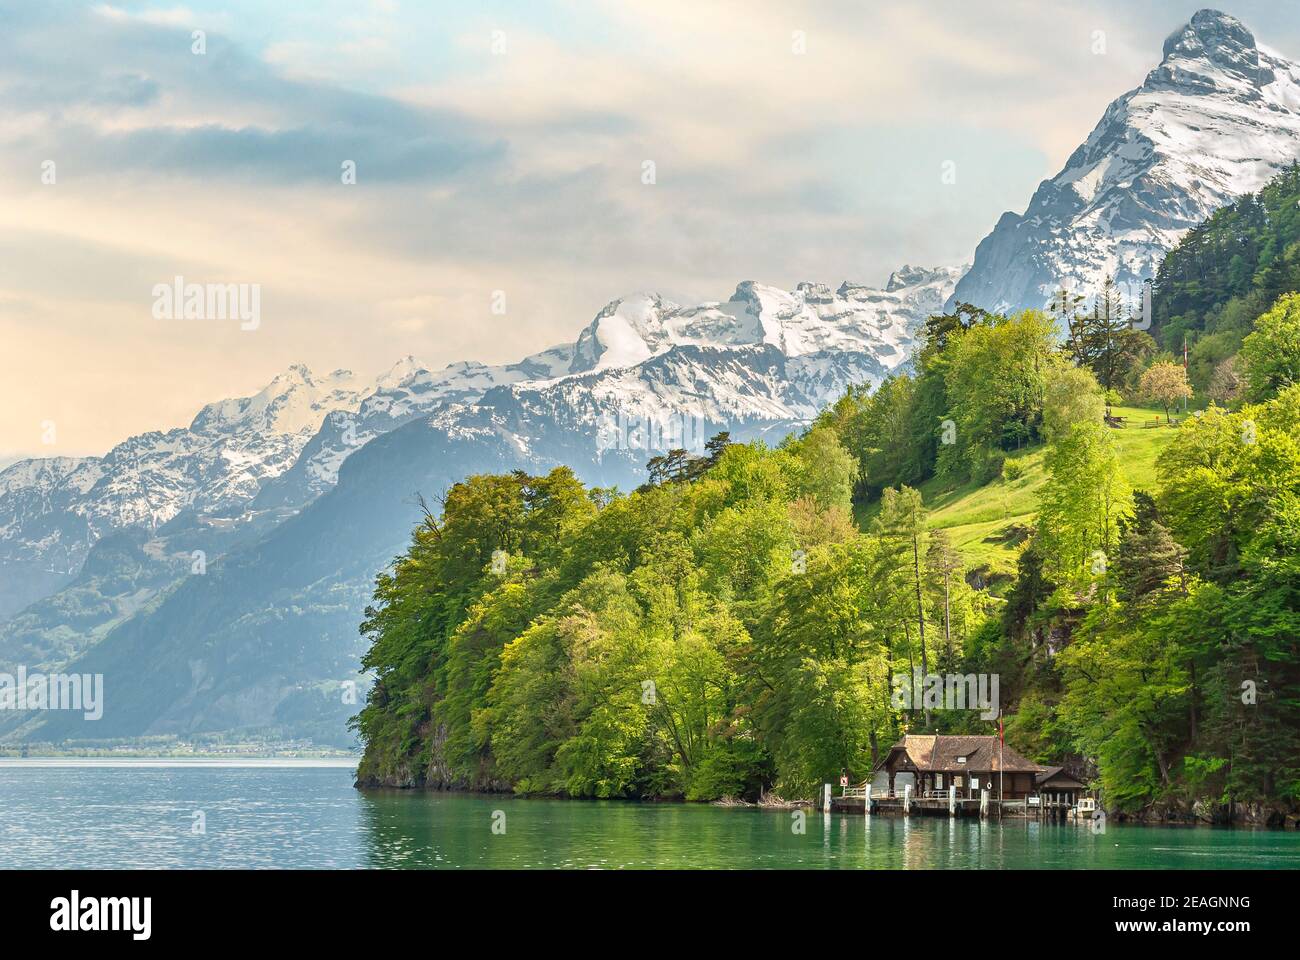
[[89, 815]]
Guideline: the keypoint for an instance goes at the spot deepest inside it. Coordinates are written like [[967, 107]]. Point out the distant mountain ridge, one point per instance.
[[52, 511]]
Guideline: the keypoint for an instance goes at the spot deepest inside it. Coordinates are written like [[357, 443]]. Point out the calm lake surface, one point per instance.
[[142, 814]]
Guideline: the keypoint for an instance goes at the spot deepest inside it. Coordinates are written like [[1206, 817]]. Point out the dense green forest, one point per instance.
[[732, 627], [1223, 275]]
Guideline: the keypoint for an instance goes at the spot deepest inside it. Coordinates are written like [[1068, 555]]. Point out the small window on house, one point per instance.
[[956, 781], [938, 781], [961, 759]]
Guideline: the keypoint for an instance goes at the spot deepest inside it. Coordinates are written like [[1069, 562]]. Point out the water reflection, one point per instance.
[[98, 817], [449, 830]]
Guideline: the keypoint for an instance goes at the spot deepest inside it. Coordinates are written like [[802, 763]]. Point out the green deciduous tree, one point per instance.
[[995, 379], [1271, 354], [1081, 504]]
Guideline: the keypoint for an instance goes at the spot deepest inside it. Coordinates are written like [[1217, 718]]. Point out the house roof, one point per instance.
[[1057, 777], [943, 754]]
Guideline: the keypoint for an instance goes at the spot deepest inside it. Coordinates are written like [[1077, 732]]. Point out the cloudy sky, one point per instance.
[[497, 147]]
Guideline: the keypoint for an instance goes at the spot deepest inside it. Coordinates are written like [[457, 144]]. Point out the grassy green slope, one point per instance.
[[982, 520]]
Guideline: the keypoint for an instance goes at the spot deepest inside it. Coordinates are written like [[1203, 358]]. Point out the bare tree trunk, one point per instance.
[[920, 613], [947, 615]]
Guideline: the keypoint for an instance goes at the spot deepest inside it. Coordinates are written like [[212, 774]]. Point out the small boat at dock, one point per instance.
[[1085, 809]]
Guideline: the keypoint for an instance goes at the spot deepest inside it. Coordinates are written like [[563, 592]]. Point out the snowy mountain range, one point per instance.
[[1216, 119], [216, 574], [53, 510], [88, 543]]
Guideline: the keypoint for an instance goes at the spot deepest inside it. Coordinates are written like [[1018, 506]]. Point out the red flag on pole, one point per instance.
[[1002, 766]]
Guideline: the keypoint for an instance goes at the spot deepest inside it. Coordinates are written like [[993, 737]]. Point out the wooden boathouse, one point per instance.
[[960, 776], [1056, 786]]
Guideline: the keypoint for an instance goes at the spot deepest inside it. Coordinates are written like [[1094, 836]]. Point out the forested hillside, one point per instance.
[[1223, 275], [1027, 506]]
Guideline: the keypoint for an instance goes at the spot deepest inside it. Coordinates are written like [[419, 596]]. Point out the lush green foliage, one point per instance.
[[1185, 675], [977, 395], [1271, 353], [718, 634], [1226, 272]]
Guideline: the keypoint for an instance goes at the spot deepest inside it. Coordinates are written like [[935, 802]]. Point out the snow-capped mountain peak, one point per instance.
[[808, 319], [293, 402], [1215, 119], [624, 333], [766, 359], [401, 373], [910, 276], [1211, 51]]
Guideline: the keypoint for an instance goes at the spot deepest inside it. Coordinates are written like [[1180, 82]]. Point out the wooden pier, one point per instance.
[[1042, 808]]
